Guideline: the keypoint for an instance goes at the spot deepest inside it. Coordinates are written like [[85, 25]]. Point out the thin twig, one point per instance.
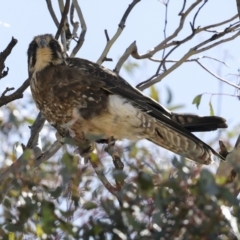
[[163, 44], [7, 90], [196, 14], [84, 29], [238, 7], [121, 26], [183, 7], [64, 15], [221, 79], [16, 95], [165, 34], [72, 14], [189, 60], [52, 13], [106, 34], [196, 49], [166, 44]]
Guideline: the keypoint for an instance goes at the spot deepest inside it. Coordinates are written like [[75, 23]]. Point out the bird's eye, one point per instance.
[[53, 44], [33, 46]]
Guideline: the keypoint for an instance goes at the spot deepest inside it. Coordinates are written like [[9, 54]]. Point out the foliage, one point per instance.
[[158, 198], [63, 199]]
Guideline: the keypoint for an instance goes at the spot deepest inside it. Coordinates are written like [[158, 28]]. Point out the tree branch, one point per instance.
[[16, 95], [196, 49], [129, 51], [121, 26], [52, 13], [64, 15], [238, 7], [4, 55], [83, 26]]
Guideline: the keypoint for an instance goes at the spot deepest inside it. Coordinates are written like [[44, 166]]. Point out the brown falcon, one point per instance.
[[92, 102]]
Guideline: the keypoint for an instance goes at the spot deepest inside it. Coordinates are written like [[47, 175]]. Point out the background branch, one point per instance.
[[52, 13], [4, 55]]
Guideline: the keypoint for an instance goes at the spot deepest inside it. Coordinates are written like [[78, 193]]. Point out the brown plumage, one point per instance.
[[92, 102]]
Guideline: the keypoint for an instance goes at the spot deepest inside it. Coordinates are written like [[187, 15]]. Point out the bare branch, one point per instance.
[[163, 44], [16, 95], [188, 60], [183, 7], [221, 79], [216, 36], [72, 14], [35, 130], [83, 26], [196, 14], [125, 15], [125, 56], [64, 15], [7, 90], [121, 26], [52, 13], [157, 78], [4, 55], [218, 24], [166, 44], [106, 34], [238, 7]]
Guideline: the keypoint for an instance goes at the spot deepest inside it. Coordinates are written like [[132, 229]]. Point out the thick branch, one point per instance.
[[4, 55], [129, 51]]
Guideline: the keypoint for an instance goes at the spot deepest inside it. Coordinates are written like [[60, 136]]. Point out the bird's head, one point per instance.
[[44, 50]]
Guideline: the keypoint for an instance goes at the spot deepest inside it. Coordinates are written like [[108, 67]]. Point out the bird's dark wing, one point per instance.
[[114, 84]]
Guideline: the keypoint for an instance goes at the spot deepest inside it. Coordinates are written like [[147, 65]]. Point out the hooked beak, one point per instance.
[[42, 43]]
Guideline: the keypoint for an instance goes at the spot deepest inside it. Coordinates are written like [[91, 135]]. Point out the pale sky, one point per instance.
[[24, 19]]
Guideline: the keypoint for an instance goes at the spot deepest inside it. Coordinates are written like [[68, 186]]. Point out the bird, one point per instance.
[[92, 102]]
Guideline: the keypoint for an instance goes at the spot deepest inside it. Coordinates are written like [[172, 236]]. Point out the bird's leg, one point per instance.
[[116, 159], [111, 151], [85, 147]]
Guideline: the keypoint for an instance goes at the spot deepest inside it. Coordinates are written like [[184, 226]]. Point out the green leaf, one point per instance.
[[89, 205], [154, 93], [211, 109], [145, 181], [175, 107], [169, 95], [197, 100], [130, 67]]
